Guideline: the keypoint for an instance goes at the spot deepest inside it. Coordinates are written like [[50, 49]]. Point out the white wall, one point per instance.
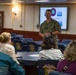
[[12, 21], [7, 16], [28, 17], [31, 17], [72, 19], [18, 19]]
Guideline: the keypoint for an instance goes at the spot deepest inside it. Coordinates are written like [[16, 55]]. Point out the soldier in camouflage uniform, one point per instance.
[[50, 27]]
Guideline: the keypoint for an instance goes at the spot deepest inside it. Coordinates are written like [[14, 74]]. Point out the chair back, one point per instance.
[[28, 39], [32, 46], [18, 37], [41, 63], [61, 47], [66, 41], [20, 46], [13, 34]]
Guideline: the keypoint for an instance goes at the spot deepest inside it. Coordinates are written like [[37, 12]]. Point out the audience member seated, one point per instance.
[[49, 51], [9, 66], [6, 47], [68, 65]]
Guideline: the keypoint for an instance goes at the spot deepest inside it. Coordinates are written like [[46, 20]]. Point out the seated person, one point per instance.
[[70, 58], [6, 47], [7, 64], [49, 51]]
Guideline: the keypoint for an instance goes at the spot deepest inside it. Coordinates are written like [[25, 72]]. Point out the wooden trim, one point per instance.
[[7, 30], [26, 34], [36, 36], [2, 16], [30, 34], [67, 36]]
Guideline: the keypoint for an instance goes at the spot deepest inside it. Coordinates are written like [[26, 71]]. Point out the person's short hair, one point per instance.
[[70, 51], [48, 43], [4, 37], [49, 10]]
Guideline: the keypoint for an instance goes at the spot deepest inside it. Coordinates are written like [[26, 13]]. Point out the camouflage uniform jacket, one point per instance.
[[52, 26]]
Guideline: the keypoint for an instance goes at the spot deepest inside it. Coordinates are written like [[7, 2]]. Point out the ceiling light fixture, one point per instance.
[[41, 0]]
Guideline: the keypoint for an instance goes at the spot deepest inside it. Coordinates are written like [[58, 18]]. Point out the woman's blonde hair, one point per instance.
[[70, 51], [5, 37]]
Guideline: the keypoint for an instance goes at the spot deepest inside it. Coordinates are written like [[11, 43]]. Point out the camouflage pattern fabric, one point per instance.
[[51, 26]]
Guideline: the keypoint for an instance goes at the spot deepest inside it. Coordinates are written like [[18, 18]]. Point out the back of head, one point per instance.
[[48, 43], [70, 51], [4, 37]]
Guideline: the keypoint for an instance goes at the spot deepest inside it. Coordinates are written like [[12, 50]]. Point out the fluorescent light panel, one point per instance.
[[41, 0]]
